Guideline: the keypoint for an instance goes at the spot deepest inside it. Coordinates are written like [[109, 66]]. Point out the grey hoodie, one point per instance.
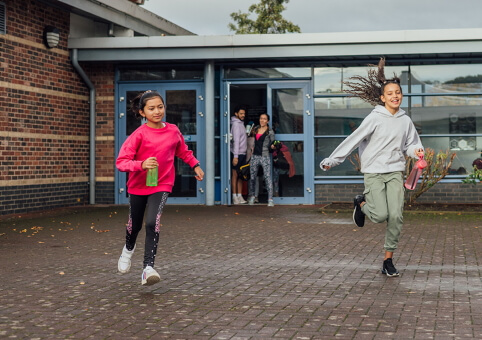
[[382, 139], [238, 132]]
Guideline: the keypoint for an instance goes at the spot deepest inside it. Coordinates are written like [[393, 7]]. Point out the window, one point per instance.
[[3, 18], [444, 102]]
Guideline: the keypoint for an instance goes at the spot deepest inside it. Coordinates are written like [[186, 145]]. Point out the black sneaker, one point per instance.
[[389, 269], [358, 215]]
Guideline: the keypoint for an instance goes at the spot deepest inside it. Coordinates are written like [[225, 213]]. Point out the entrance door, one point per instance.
[[184, 108], [289, 108], [292, 122]]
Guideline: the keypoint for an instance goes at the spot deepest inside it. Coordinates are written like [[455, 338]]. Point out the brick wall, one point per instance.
[[449, 193], [44, 114]]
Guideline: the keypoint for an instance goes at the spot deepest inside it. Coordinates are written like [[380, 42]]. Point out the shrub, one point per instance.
[[438, 166]]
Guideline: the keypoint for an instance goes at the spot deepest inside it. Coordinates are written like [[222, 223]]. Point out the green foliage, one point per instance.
[[269, 19], [475, 177], [466, 79]]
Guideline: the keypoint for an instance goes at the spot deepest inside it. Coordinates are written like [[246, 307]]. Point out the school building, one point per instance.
[[69, 68]]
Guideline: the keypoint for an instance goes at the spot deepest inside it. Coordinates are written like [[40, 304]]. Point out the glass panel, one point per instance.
[[280, 72], [181, 110], [185, 184], [447, 114], [132, 122], [339, 116], [145, 74], [283, 184], [446, 78], [287, 110], [330, 79], [323, 148], [467, 149]]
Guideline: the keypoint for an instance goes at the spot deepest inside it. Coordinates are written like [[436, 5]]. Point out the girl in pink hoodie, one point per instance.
[[154, 145]]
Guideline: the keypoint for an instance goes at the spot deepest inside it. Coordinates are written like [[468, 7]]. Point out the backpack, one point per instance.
[[279, 161], [244, 172]]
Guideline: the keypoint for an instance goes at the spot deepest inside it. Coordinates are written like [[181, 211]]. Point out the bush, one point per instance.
[[438, 166]]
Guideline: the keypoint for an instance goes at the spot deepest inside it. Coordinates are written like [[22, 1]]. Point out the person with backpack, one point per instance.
[[261, 156], [282, 163]]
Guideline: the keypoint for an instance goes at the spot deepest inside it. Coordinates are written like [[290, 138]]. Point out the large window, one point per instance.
[[444, 102], [3, 18]]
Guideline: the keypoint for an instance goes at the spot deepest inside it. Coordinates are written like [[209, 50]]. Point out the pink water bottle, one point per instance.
[[415, 174]]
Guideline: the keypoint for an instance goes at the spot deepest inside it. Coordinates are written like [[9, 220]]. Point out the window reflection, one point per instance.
[[339, 116], [446, 78], [181, 110], [287, 110], [329, 80], [447, 114]]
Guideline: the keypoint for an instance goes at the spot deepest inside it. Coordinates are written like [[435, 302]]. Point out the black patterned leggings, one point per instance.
[[137, 206], [265, 162]]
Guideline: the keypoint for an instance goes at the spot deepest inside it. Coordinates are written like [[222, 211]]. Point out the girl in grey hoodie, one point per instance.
[[383, 140]]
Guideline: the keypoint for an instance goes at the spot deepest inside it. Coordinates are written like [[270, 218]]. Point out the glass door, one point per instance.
[[184, 108], [289, 106], [290, 110]]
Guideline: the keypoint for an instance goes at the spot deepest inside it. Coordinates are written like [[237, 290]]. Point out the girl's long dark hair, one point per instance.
[[371, 87], [139, 102]]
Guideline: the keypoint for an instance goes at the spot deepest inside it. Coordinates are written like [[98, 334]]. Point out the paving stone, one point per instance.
[[241, 272]]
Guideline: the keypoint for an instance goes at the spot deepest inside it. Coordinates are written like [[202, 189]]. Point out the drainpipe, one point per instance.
[[209, 108], [91, 87]]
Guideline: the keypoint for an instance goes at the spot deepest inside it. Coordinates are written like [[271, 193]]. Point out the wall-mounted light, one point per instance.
[[51, 36]]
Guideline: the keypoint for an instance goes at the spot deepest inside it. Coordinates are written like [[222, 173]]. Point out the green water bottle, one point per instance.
[[151, 179]]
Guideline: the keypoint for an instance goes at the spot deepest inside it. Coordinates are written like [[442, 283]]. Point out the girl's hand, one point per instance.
[[199, 173], [150, 163], [420, 152], [326, 167]]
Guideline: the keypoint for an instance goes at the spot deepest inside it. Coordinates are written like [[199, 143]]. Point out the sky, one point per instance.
[[211, 17]]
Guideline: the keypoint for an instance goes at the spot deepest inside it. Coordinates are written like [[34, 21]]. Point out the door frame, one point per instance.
[[121, 112], [307, 137]]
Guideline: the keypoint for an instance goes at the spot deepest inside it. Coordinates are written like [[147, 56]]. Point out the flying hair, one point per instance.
[[371, 87]]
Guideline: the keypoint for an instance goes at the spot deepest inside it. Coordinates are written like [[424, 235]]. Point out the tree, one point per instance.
[[269, 20]]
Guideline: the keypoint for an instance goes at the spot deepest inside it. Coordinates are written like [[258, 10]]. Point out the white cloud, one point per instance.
[[211, 17]]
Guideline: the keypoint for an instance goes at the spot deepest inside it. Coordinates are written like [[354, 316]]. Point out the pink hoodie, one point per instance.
[[145, 142]]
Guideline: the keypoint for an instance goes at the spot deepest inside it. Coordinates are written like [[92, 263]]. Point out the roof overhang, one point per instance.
[[434, 45], [128, 15]]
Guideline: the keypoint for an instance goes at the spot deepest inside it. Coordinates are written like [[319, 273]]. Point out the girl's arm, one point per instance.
[[183, 152], [413, 145], [126, 161], [346, 147]]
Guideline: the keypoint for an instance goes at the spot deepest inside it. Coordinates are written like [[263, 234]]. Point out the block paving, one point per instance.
[[240, 272]]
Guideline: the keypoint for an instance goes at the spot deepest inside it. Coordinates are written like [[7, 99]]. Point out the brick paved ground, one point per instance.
[[286, 272]]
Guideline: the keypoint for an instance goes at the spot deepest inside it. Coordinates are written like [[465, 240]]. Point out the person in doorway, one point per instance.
[[383, 140], [153, 145], [238, 153], [261, 156], [282, 163]]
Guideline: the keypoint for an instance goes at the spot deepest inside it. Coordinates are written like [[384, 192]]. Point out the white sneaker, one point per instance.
[[235, 200], [251, 200], [241, 200], [124, 263], [150, 276], [270, 203]]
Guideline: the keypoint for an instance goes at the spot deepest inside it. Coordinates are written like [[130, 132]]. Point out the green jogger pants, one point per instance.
[[384, 196]]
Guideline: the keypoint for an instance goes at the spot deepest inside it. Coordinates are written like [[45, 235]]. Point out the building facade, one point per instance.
[[59, 150]]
